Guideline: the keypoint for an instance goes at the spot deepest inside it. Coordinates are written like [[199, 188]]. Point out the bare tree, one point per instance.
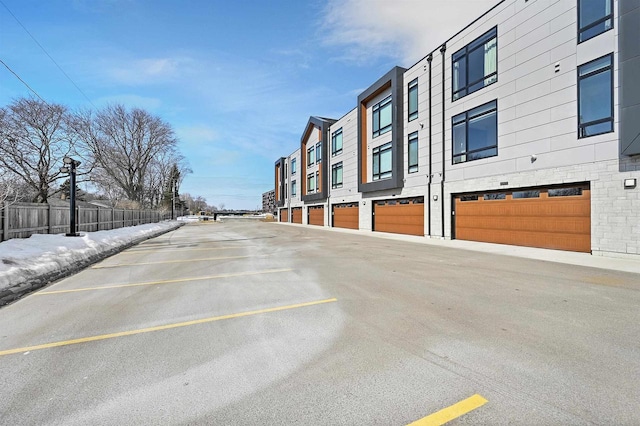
[[124, 143], [9, 191], [34, 138]]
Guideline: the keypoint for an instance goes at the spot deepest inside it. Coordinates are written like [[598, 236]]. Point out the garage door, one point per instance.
[[284, 215], [296, 215], [405, 216], [346, 216], [555, 218], [316, 215]]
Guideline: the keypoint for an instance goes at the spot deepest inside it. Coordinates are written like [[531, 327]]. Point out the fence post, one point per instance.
[[5, 224], [50, 218]]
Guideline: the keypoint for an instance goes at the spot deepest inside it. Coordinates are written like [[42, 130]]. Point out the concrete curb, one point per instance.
[[11, 294]]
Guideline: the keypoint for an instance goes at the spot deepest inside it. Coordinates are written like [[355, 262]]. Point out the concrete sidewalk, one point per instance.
[[622, 263]]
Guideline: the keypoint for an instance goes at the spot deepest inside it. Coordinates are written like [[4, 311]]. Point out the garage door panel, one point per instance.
[[399, 216], [562, 223], [346, 217], [284, 215], [316, 216], [296, 215]]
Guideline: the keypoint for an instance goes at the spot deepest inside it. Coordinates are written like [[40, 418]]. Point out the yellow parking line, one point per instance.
[[183, 280], [162, 327], [138, 251], [453, 412], [172, 261]]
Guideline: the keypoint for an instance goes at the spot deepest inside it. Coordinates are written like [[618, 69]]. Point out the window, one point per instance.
[[294, 189], [469, 198], [413, 152], [382, 162], [311, 157], [382, 117], [319, 152], [317, 181], [336, 142], [594, 18], [525, 194], [475, 133], [413, 100], [564, 192], [286, 191], [336, 175], [311, 183], [495, 196], [475, 65], [293, 166], [595, 97]]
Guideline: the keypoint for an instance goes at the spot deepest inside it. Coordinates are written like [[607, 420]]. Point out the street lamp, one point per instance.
[[70, 167]]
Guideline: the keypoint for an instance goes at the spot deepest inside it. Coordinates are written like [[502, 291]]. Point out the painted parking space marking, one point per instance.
[[452, 412], [175, 250], [163, 327], [176, 281], [117, 265]]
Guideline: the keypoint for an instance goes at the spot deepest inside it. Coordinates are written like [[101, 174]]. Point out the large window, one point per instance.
[[294, 188], [475, 133], [293, 166], [336, 142], [382, 117], [413, 152], [311, 156], [311, 183], [319, 152], [382, 157], [336, 175], [594, 18], [413, 100], [595, 97], [317, 181], [475, 65]]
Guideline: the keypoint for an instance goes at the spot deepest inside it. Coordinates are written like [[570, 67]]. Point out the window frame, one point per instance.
[[334, 169], [469, 115], [611, 118], [412, 138], [294, 189], [464, 52], [379, 150], [311, 178], [318, 152], [376, 123], [412, 86], [317, 181], [293, 167], [310, 151], [587, 27], [334, 135]]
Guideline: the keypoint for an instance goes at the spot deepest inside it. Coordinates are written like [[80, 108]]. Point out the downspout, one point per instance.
[[429, 59], [443, 49]]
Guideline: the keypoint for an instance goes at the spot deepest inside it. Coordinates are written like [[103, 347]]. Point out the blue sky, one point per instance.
[[236, 79]]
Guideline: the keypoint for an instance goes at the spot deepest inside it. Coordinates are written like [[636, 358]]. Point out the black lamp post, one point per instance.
[[70, 167]]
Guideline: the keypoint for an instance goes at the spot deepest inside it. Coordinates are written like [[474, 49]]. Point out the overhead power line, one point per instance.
[[46, 53], [24, 82]]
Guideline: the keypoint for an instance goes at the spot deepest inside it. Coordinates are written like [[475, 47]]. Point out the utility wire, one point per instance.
[[23, 82], [46, 53]]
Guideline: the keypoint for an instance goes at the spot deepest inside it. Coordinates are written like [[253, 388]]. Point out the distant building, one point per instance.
[[269, 202]]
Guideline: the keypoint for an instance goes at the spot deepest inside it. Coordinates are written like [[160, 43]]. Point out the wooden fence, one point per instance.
[[23, 220]]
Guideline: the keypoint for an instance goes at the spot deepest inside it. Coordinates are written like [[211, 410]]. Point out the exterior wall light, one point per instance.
[[630, 183]]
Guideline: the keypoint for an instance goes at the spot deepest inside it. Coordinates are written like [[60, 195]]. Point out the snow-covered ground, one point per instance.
[[26, 259]]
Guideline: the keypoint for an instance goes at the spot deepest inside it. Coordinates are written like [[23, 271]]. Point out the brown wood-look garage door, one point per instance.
[[296, 215], [284, 215], [554, 218], [404, 216], [346, 216], [316, 215]]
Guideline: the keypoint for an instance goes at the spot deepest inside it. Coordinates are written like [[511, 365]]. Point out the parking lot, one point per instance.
[[261, 323]]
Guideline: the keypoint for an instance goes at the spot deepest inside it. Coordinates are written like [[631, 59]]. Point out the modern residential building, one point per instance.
[[523, 128], [269, 202]]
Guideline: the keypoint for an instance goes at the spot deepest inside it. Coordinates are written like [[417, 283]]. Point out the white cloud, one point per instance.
[[196, 135], [403, 30], [131, 101], [148, 70]]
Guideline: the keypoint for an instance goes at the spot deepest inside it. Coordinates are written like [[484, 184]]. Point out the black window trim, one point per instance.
[[591, 74], [412, 115], [309, 189], [487, 37], [387, 147], [294, 169], [377, 107], [333, 169], [319, 149], [309, 162], [595, 23], [333, 135], [468, 116], [413, 136]]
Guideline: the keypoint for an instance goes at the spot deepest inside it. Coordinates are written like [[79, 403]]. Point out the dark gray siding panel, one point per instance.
[[629, 58]]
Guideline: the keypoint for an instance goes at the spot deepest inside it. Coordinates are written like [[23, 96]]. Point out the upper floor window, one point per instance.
[[311, 156], [413, 152], [595, 97], [317, 181], [336, 142], [382, 117], [336, 175], [311, 183], [594, 18], [382, 156], [294, 188], [475, 133], [293, 166], [475, 65], [413, 100], [319, 152]]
